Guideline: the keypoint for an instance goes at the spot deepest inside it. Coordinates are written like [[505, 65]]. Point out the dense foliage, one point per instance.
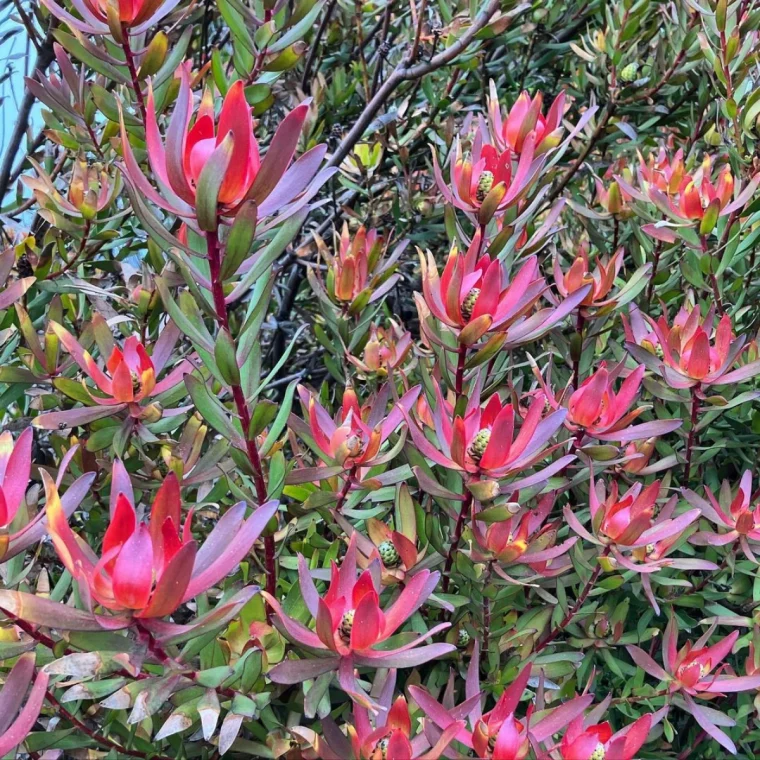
[[379, 381]]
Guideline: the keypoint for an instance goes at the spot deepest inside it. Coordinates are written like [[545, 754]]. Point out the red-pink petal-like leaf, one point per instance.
[[279, 154], [646, 663], [21, 727]]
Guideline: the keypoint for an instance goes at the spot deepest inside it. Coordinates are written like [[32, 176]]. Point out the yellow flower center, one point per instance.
[[485, 183], [468, 305], [346, 624], [479, 444]]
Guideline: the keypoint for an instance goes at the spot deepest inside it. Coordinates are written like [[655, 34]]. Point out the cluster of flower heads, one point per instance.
[[506, 458]]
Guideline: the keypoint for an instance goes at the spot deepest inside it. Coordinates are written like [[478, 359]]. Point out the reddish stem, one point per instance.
[[486, 619], [455, 541], [220, 307], [578, 604], [579, 325], [692, 439], [655, 265], [125, 46], [459, 379], [343, 495], [713, 279], [77, 255]]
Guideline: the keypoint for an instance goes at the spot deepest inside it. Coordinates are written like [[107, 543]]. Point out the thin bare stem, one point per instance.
[[405, 72], [77, 255], [578, 604], [315, 44], [343, 495]]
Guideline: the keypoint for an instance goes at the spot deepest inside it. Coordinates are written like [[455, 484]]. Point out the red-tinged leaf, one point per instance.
[[15, 291], [73, 417], [235, 120], [325, 625], [172, 584], [560, 717], [312, 474], [132, 572], [368, 623], [406, 659], [660, 232], [432, 487], [297, 671], [646, 663], [231, 555], [166, 504], [279, 154], [14, 689], [39, 610], [709, 727], [21, 727], [171, 633]]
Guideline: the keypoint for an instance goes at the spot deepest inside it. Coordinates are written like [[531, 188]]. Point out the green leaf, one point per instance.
[[84, 51], [240, 239], [210, 182], [212, 410], [181, 319]]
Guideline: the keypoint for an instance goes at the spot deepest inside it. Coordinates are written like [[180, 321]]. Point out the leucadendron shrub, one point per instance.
[[380, 381]]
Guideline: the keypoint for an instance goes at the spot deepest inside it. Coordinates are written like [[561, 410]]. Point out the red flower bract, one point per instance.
[[150, 569], [216, 161], [136, 16]]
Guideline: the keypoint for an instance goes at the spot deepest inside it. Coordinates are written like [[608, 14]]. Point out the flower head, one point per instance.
[[127, 381], [735, 514], [486, 182], [351, 625], [486, 441], [135, 16], [687, 200], [213, 167], [691, 351], [149, 569], [524, 539], [598, 411], [610, 195], [386, 734], [359, 267], [630, 520], [637, 455], [474, 296], [386, 350], [498, 734], [697, 670], [357, 434], [525, 117], [91, 190], [579, 274], [598, 742]]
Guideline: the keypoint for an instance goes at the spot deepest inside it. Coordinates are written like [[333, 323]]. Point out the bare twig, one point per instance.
[[44, 58], [315, 45], [407, 71]]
